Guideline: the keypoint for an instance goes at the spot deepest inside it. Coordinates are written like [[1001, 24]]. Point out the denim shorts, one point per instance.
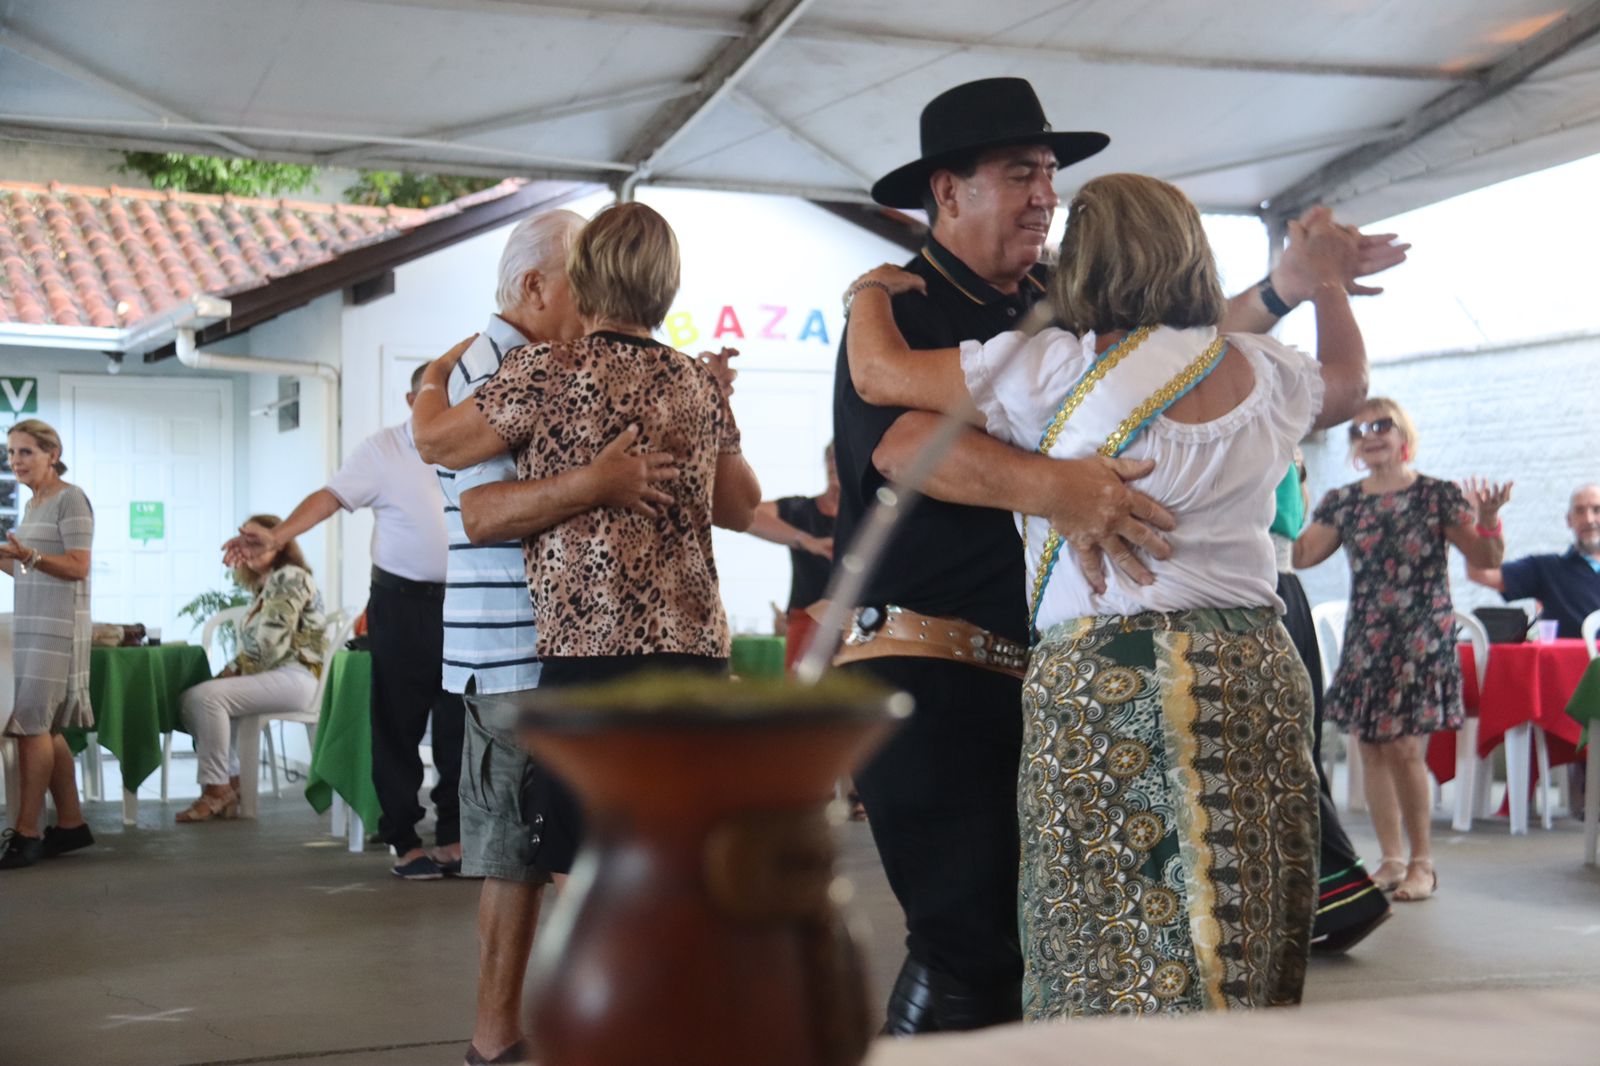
[[501, 836]]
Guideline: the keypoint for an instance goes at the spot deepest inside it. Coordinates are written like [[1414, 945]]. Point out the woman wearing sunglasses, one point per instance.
[[1399, 679]]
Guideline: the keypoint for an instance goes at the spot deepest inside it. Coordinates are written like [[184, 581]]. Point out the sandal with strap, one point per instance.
[[208, 807], [1414, 889], [1387, 882]]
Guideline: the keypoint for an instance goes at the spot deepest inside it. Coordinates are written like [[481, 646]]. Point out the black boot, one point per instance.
[[923, 1001]]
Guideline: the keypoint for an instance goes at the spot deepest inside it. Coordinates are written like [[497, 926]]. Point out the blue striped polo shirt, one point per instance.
[[488, 615]]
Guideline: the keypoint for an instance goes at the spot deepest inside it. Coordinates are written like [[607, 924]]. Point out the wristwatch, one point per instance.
[[1269, 297]]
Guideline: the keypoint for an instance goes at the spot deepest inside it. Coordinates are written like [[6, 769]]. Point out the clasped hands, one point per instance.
[[15, 550]]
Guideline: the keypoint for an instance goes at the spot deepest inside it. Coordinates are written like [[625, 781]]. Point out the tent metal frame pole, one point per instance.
[[731, 63], [1533, 55], [27, 47]]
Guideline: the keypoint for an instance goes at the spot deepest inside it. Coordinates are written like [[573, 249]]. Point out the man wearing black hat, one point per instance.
[[944, 616]]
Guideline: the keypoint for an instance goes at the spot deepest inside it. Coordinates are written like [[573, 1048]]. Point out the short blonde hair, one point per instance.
[[1384, 407], [1135, 254], [45, 436], [623, 266]]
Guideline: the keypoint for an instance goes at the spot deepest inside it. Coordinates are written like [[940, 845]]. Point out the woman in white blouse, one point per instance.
[[1166, 796]]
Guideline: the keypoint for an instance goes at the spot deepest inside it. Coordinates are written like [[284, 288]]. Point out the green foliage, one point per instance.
[[209, 603], [401, 188], [217, 175]]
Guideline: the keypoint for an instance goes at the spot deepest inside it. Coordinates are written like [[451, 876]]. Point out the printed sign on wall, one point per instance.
[[147, 520], [19, 396]]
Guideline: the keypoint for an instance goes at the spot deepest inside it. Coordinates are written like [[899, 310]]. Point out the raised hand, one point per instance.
[[251, 542], [1486, 498], [632, 480], [717, 363], [1316, 235]]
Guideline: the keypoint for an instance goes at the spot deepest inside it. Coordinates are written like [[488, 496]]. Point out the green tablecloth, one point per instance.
[[757, 657], [1584, 707], [342, 762], [135, 696]]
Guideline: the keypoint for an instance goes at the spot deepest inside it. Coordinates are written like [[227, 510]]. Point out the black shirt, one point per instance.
[[1566, 585], [946, 559], [810, 571]]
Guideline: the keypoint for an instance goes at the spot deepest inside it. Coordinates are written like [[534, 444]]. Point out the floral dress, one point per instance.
[[1399, 675]]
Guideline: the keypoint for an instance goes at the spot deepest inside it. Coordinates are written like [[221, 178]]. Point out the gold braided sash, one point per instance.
[[1120, 438]]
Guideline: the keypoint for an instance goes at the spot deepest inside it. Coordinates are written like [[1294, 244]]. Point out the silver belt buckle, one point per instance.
[[868, 622]]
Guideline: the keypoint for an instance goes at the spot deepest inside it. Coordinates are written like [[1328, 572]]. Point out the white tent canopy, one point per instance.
[[1375, 105]]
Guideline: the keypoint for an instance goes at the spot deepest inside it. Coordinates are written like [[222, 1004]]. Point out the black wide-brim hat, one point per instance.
[[991, 113]]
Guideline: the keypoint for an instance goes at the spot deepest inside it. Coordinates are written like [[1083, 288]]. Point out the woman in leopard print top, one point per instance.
[[615, 589]]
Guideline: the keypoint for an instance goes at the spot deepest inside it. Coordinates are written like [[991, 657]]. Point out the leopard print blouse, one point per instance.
[[609, 581]]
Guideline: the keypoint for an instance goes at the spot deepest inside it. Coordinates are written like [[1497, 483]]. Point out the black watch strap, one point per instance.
[[1269, 297]]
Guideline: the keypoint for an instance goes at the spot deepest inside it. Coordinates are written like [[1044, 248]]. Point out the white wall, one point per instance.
[[282, 467]]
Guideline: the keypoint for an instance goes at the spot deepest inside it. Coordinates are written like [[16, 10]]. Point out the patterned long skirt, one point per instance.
[[1168, 806]]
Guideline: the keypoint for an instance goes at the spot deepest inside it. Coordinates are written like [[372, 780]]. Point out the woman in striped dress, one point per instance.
[[48, 557]]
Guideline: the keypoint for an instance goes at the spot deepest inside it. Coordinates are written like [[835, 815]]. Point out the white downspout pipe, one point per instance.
[[194, 359]]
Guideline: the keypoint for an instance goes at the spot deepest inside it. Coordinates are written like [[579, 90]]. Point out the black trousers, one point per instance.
[[941, 800], [1347, 896], [545, 796], [405, 629]]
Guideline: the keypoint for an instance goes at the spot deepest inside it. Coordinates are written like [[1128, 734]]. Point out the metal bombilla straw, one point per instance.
[[892, 503]]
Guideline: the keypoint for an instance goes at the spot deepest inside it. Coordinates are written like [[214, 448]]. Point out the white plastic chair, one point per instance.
[[1591, 773], [207, 634], [1473, 783], [1329, 621], [338, 631]]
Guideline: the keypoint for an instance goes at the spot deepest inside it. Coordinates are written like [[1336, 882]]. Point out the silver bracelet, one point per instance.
[[861, 285]]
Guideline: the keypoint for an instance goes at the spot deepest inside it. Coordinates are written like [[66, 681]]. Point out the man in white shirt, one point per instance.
[[405, 629]]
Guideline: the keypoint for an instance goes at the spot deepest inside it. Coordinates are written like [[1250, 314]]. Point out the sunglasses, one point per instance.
[[1377, 427]]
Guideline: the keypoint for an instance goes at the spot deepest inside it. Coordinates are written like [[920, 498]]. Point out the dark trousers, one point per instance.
[[941, 800], [405, 629], [1347, 896], [545, 794]]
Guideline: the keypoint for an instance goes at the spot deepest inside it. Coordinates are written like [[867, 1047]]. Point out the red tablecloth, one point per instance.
[[1525, 683]]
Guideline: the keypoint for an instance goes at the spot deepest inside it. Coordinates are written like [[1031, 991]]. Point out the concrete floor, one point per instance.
[[267, 943]]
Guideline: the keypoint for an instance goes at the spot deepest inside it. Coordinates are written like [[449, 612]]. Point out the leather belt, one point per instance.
[[430, 590], [895, 632]]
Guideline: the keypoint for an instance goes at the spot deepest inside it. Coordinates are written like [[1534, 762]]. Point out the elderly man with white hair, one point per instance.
[[511, 822]]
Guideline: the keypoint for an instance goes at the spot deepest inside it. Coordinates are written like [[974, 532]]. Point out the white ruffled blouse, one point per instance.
[[1217, 478]]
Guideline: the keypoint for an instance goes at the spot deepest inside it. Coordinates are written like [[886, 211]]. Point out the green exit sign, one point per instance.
[[147, 520], [20, 396]]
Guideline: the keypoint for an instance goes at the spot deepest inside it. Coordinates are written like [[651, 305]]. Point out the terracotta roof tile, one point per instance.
[[88, 256]]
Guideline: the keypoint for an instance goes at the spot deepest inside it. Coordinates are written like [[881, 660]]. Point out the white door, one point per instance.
[[166, 441], [397, 364]]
